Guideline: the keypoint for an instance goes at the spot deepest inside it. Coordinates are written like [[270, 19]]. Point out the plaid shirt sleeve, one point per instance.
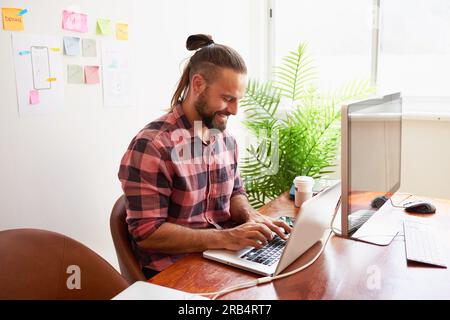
[[146, 182]]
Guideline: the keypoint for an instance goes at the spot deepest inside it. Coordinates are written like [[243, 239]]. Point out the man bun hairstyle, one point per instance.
[[207, 60], [198, 41]]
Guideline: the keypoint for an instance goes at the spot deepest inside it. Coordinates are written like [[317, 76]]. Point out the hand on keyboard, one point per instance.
[[269, 254]]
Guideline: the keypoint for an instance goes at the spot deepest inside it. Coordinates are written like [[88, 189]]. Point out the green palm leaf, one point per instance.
[[302, 142]]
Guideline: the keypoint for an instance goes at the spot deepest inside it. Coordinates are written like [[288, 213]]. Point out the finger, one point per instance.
[[253, 243], [265, 230], [256, 235], [278, 230], [284, 225]]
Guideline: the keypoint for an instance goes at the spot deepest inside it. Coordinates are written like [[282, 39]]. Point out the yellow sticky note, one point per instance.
[[104, 26], [122, 31], [11, 19], [51, 79]]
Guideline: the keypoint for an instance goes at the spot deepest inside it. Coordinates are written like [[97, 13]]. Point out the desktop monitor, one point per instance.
[[370, 158]]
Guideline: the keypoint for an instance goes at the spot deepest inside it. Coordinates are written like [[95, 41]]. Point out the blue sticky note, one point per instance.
[[21, 13], [24, 52], [72, 46]]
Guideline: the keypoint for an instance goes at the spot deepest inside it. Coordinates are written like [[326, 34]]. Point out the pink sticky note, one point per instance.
[[92, 75], [34, 97], [73, 21]]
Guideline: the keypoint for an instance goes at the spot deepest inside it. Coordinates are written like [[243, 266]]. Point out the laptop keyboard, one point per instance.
[[267, 255]]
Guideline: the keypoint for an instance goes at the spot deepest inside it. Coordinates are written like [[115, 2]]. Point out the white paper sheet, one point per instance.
[[117, 74], [38, 67]]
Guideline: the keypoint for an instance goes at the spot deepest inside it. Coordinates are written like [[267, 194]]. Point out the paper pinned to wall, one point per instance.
[[12, 21], [89, 48], [117, 74], [33, 72], [104, 27], [75, 74], [92, 74], [40, 67], [74, 21], [72, 46], [122, 31]]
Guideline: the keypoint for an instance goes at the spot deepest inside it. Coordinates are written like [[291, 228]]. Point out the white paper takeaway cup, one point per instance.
[[303, 189]]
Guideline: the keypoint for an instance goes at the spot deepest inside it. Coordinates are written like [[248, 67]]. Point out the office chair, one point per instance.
[[129, 266], [43, 265]]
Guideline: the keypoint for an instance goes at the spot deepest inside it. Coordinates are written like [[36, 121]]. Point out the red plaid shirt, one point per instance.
[[170, 175]]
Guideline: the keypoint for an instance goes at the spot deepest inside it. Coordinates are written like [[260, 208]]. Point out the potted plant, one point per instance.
[[294, 127]]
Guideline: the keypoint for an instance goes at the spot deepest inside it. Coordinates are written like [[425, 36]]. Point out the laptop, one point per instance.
[[313, 220]]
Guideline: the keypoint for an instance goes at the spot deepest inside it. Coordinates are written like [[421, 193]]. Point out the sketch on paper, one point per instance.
[[117, 74], [39, 74]]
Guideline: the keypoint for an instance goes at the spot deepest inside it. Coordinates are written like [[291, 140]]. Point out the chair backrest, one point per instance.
[[38, 264], [129, 266]]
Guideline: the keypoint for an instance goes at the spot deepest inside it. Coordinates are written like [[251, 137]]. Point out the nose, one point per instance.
[[233, 107]]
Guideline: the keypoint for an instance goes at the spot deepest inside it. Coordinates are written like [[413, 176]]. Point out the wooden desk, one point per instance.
[[347, 269]]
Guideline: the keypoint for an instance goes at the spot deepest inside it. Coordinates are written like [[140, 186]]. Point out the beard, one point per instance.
[[210, 120]]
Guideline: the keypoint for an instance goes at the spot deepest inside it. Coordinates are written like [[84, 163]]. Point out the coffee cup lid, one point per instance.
[[303, 179]]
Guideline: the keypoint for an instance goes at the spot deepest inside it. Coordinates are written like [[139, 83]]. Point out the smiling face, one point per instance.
[[219, 99]]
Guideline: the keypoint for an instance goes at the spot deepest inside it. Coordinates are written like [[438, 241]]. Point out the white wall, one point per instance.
[[59, 172], [426, 156]]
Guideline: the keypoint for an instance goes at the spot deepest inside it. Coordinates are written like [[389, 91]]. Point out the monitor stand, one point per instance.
[[382, 227]]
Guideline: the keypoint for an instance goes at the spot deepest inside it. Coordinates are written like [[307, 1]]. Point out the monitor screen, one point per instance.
[[371, 157]]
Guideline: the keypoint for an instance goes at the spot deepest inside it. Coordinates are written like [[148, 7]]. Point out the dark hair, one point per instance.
[[206, 62]]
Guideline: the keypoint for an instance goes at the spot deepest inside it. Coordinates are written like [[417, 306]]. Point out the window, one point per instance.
[[338, 34], [413, 52]]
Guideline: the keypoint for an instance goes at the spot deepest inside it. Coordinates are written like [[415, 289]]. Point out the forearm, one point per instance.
[[240, 209], [174, 239]]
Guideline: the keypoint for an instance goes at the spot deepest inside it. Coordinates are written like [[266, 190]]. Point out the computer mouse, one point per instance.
[[419, 207], [378, 202]]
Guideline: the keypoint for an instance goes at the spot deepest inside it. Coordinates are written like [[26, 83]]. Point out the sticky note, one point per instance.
[[104, 27], [51, 79], [89, 48], [92, 75], [34, 97], [72, 46], [11, 19], [24, 52], [55, 49], [21, 13], [74, 21], [122, 31], [75, 74]]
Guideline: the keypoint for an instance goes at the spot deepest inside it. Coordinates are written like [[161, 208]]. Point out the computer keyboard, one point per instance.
[[421, 243], [267, 255], [357, 219]]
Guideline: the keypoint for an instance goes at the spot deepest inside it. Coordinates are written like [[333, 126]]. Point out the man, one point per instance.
[[179, 174]]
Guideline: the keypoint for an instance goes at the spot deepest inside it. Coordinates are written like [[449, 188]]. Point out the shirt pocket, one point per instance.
[[225, 180]]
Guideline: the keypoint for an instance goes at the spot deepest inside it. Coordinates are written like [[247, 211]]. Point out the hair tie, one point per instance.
[[210, 44]]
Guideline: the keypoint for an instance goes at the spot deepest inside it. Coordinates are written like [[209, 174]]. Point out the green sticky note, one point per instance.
[[75, 74], [104, 27], [89, 48]]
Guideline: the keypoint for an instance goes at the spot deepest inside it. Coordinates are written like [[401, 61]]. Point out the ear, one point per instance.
[[198, 84]]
